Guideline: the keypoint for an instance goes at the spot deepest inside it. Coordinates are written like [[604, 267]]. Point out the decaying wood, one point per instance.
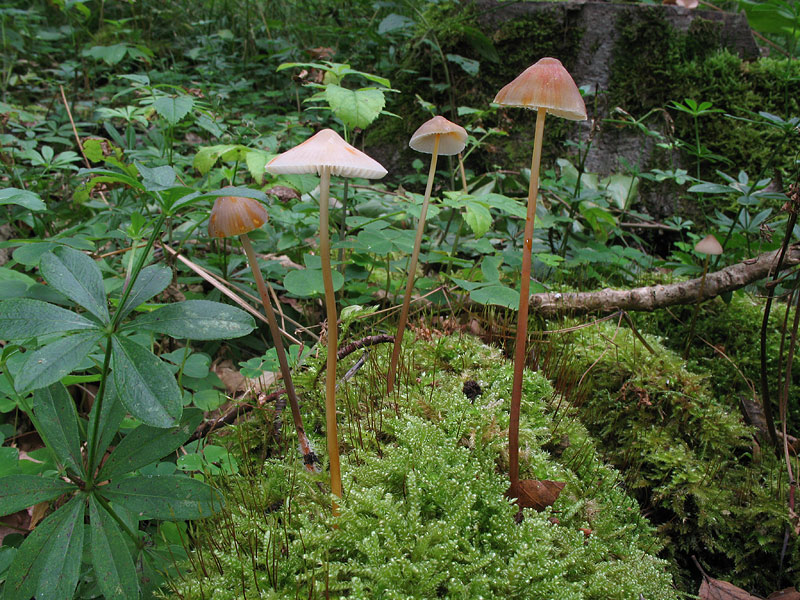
[[653, 297]]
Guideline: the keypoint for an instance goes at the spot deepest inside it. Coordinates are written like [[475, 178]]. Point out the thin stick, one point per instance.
[[522, 315], [412, 269], [77, 137]]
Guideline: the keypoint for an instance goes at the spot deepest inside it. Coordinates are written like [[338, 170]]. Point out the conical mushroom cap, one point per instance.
[[234, 215], [708, 245], [546, 84], [326, 149], [452, 137]]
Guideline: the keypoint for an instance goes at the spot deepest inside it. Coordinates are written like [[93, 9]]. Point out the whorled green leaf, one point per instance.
[[152, 280], [50, 363], [58, 425], [146, 444], [112, 412], [113, 563], [356, 108], [173, 108], [22, 198], [145, 385], [77, 277], [167, 497], [48, 562], [22, 318], [197, 320], [18, 492]]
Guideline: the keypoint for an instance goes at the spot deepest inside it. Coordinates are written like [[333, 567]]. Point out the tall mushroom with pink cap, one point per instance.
[[547, 87], [326, 153], [435, 136]]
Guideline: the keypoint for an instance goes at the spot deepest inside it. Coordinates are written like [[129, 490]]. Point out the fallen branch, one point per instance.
[[653, 297]]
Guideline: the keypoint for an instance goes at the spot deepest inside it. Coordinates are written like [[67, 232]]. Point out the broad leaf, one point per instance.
[[173, 109], [113, 563], [156, 179], [356, 108], [167, 497], [496, 294], [146, 444], [22, 198], [478, 217], [152, 280], [197, 320], [48, 563], [50, 363], [470, 66], [22, 318], [18, 492], [308, 282], [146, 386], [77, 277], [58, 422]]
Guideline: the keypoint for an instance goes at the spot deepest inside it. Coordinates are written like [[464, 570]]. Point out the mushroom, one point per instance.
[[436, 136], [235, 215], [326, 153], [710, 247], [547, 87]]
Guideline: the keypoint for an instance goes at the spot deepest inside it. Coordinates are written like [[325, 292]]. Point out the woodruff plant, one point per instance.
[[106, 488]]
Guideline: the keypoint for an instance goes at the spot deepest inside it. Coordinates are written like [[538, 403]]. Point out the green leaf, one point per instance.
[[197, 320], [112, 412], [23, 318], [496, 294], [50, 363], [111, 55], [48, 563], [207, 156], [173, 108], [355, 108], [478, 217], [145, 385], [256, 162], [22, 198], [58, 425], [18, 492], [470, 66], [375, 242], [511, 206], [77, 277], [152, 280], [113, 563], [167, 497], [711, 188], [308, 282], [146, 444], [157, 179]]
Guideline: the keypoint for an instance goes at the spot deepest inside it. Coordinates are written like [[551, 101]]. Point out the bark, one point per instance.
[[650, 298]]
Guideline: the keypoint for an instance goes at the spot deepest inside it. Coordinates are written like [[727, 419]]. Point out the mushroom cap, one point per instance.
[[452, 137], [546, 84], [326, 149], [235, 215], [708, 245]]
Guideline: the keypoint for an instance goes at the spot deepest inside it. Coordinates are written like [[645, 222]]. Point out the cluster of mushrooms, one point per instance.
[[546, 87]]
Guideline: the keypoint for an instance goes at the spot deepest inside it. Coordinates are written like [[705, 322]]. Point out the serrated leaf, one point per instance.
[[478, 217], [113, 563], [173, 108], [50, 363], [77, 277], [197, 320], [22, 318], [156, 179], [355, 108], [167, 497], [112, 412], [152, 280], [58, 425], [18, 492], [256, 161], [22, 198], [145, 385]]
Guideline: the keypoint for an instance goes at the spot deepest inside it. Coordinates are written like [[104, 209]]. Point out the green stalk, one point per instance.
[[412, 269]]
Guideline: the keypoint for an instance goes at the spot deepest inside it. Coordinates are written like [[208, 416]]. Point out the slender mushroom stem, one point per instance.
[[696, 308], [412, 268], [330, 309], [309, 458], [522, 315]]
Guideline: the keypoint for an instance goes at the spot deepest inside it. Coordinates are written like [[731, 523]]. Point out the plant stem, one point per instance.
[[522, 315], [412, 269], [309, 458], [696, 308], [330, 309]]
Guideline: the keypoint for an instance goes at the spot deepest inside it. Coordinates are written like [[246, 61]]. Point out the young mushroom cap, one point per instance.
[[235, 215], [452, 137], [546, 84], [708, 245], [326, 149]]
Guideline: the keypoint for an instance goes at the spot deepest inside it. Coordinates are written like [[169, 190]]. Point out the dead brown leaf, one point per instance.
[[538, 494], [714, 589]]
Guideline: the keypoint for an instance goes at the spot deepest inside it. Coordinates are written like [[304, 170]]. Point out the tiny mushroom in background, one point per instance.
[[235, 215], [710, 247], [326, 153], [547, 87], [436, 136]]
